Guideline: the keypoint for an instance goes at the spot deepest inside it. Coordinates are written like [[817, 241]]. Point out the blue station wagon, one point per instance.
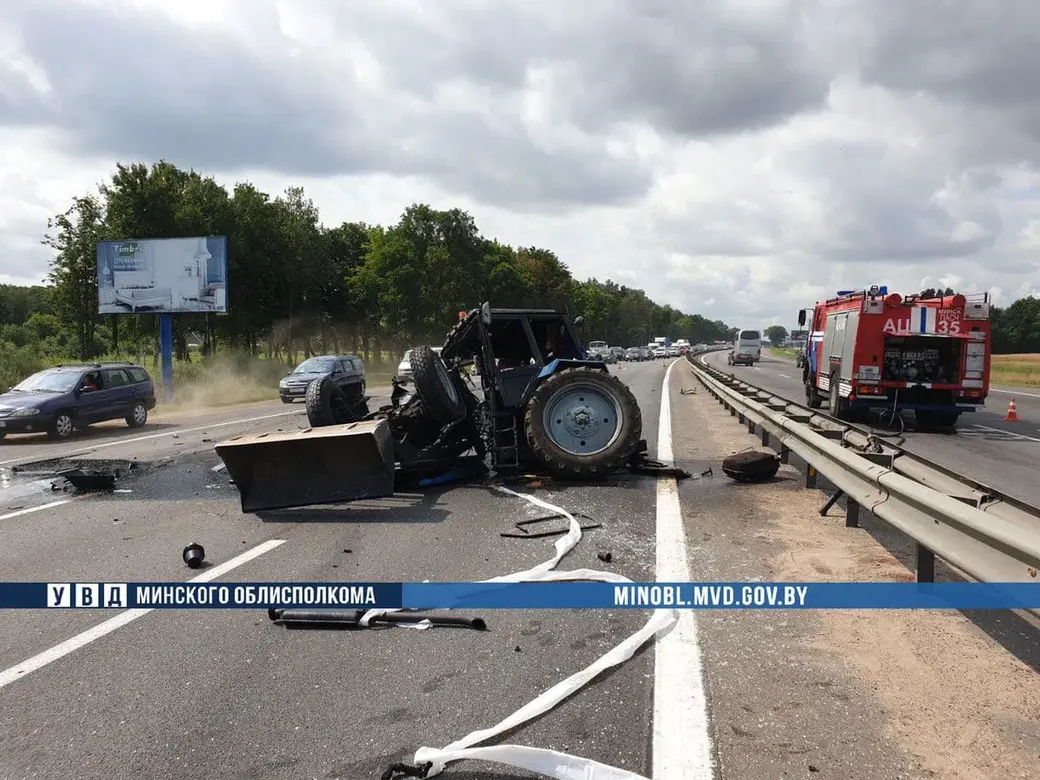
[[59, 400]]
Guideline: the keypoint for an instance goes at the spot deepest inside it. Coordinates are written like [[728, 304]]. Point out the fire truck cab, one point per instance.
[[870, 349]]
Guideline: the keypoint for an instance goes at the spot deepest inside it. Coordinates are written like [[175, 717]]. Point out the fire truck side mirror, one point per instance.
[[801, 317]]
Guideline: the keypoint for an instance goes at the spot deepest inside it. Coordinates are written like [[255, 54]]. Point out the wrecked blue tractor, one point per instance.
[[512, 391]]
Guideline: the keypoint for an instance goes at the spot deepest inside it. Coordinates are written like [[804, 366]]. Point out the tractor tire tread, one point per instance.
[[428, 386]]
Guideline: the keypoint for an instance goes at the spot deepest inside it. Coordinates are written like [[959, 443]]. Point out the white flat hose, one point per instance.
[[549, 763]]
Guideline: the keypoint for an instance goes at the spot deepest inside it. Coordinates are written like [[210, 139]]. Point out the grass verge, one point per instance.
[[1015, 370], [786, 353]]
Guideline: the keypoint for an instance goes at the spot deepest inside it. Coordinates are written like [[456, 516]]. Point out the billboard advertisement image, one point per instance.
[[162, 275]]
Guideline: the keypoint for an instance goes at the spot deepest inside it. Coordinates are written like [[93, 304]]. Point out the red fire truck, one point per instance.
[[871, 349]]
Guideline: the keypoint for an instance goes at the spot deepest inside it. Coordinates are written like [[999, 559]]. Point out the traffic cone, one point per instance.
[[1012, 414]]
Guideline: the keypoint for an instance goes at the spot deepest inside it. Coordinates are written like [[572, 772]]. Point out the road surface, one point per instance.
[[225, 695]]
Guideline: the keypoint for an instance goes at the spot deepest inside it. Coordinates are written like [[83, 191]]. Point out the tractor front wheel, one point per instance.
[[583, 423]]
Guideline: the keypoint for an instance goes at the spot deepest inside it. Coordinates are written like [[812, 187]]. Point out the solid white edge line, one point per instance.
[[37, 662], [682, 747], [32, 509]]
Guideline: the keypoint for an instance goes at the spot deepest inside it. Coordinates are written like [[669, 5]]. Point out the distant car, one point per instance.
[[618, 353], [347, 370], [660, 352], [673, 352], [59, 400], [404, 368], [633, 354], [745, 357]]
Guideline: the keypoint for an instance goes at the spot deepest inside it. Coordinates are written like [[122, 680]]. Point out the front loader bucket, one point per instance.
[[325, 465]]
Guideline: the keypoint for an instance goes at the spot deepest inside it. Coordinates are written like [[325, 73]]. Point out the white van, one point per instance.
[[747, 348]]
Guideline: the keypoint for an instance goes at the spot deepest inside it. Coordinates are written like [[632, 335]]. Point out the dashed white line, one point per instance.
[[120, 442], [30, 665], [785, 376], [682, 740]]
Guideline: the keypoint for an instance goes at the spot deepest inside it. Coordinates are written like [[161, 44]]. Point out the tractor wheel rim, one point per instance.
[[582, 419], [139, 413], [63, 425]]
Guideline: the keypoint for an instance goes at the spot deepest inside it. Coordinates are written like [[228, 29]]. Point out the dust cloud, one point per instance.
[[219, 381]]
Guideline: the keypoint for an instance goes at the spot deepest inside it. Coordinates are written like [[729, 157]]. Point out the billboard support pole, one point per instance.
[[166, 351]]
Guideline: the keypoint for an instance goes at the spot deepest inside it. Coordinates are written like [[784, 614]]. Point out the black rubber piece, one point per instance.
[[751, 466], [566, 465], [432, 382]]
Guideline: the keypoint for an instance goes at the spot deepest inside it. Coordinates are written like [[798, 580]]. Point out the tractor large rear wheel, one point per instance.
[[583, 423]]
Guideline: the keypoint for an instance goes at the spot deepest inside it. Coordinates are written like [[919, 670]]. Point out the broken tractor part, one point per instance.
[[194, 555], [325, 465], [751, 466], [92, 482], [351, 619]]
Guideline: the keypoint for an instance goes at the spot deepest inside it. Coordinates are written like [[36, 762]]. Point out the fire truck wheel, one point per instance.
[[838, 406], [812, 396], [930, 421]]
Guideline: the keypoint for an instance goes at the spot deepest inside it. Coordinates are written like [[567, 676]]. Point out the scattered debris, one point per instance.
[[347, 550], [194, 555], [522, 525], [401, 771], [688, 391], [656, 468], [751, 466], [206, 441], [219, 467], [92, 482], [708, 472], [351, 619], [516, 649], [606, 557]]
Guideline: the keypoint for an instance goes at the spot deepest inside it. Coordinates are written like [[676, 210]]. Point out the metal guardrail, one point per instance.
[[985, 535]]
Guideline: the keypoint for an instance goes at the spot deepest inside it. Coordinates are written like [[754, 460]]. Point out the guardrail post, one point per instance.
[[740, 417], [810, 477], [851, 513], [765, 437], [925, 564], [750, 426], [785, 455]]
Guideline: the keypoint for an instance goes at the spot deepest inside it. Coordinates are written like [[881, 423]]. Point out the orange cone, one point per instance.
[[1012, 415]]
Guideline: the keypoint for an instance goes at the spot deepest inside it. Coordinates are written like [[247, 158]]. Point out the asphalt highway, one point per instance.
[[225, 695], [984, 447]]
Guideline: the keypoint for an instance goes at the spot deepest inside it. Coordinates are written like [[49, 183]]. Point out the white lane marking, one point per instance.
[[32, 509], [27, 667], [1009, 434], [785, 376], [682, 740], [1014, 392], [120, 442]]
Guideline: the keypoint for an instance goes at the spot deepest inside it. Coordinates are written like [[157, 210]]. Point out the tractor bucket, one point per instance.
[[326, 465]]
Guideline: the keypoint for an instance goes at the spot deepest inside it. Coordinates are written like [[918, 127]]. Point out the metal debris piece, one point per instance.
[[751, 466], [522, 525], [92, 482], [351, 619], [194, 555]]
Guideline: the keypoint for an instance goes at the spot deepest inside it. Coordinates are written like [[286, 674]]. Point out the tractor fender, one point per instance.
[[561, 364]]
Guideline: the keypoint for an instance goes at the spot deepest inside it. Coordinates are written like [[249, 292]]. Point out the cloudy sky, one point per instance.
[[735, 158]]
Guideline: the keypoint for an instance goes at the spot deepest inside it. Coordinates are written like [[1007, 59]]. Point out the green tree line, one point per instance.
[[298, 287]]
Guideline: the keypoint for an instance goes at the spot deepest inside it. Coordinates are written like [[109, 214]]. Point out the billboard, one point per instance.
[[162, 275]]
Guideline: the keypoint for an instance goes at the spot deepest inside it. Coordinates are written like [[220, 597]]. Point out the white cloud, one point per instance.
[[737, 159]]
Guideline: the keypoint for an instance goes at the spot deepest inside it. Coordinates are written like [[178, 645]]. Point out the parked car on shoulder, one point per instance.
[[347, 370], [404, 368], [59, 400]]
